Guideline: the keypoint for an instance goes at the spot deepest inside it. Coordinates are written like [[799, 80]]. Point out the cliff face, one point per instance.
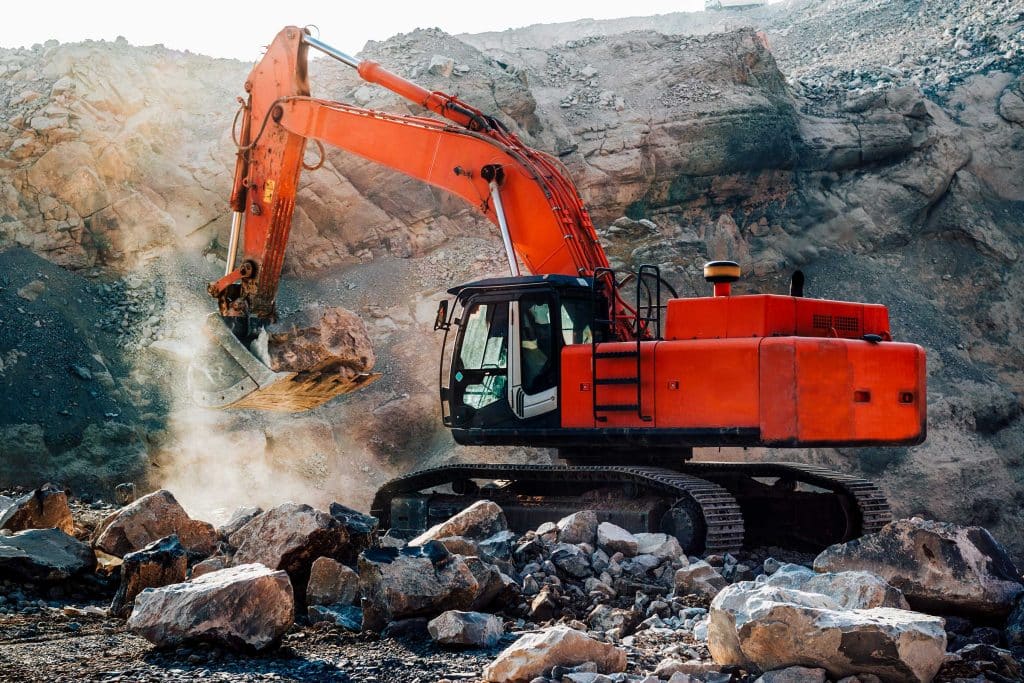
[[885, 176]]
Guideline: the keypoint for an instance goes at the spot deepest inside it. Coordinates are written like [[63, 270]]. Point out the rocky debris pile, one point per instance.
[[578, 600]]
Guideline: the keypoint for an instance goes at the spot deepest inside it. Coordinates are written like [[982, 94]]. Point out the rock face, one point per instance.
[[535, 653], [468, 629], [150, 518], [851, 589], [331, 582], [939, 567], [411, 582], [44, 508], [290, 537], [479, 521], [766, 627], [160, 563], [44, 555], [248, 606], [318, 340]]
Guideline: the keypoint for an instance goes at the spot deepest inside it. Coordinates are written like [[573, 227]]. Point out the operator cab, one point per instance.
[[506, 337]]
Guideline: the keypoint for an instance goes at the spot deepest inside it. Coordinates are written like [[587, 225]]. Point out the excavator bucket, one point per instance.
[[228, 375]]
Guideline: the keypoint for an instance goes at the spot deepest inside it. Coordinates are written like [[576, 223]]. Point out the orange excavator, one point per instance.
[[612, 369]]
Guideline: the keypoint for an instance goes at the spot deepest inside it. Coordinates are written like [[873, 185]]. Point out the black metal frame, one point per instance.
[[641, 328]]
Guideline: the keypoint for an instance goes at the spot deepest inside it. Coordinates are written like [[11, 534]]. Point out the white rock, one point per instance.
[[766, 627], [852, 590], [699, 578], [535, 653], [614, 539]]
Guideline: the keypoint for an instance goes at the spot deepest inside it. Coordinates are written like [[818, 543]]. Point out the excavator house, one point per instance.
[[614, 370]]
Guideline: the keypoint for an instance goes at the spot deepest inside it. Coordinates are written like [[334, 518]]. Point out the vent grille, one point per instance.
[[822, 322], [845, 323]]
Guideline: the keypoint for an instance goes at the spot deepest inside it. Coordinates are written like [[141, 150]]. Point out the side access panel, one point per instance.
[[817, 391]]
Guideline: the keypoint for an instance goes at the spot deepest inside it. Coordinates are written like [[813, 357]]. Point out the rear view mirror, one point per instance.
[[441, 320]]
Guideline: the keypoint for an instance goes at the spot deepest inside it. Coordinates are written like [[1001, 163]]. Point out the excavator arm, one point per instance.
[[542, 220]]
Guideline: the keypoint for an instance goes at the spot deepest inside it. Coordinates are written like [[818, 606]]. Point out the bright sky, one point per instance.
[[240, 29]]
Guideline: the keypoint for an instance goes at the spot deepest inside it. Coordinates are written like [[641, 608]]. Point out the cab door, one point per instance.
[[534, 345]]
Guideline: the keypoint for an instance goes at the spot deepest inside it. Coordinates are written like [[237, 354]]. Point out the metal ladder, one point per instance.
[[642, 325]]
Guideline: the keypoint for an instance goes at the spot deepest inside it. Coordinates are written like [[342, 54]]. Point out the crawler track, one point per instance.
[[717, 496]]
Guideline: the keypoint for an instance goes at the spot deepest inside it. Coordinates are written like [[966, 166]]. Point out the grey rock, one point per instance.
[[571, 560], [44, 555], [699, 578], [239, 518], [940, 567], [467, 629], [349, 617], [413, 582], [793, 674], [614, 539]]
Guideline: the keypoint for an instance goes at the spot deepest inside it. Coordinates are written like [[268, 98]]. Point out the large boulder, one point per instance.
[[941, 568], [160, 563], [325, 339], [413, 582], [466, 629], [477, 522], [248, 606], [851, 590], [151, 518], [290, 537], [44, 508], [535, 653], [331, 582], [44, 555], [762, 627], [699, 578]]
